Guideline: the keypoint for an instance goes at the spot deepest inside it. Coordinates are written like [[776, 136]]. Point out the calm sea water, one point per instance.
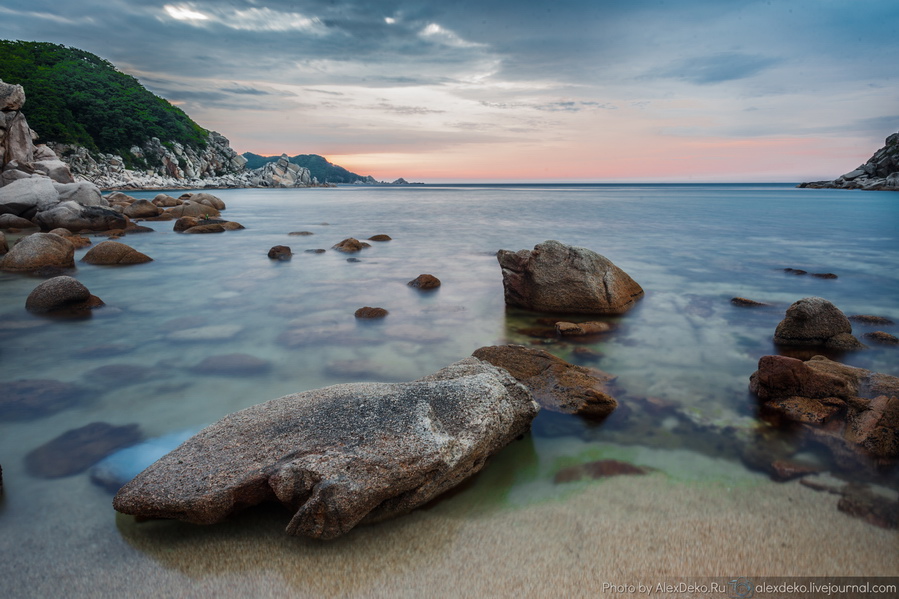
[[691, 247]]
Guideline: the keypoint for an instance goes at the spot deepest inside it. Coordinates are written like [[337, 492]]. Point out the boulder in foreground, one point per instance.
[[62, 294], [108, 253], [339, 456], [814, 321], [554, 277], [38, 251]]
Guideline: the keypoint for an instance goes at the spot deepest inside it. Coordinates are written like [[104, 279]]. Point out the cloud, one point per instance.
[[717, 68], [251, 19]]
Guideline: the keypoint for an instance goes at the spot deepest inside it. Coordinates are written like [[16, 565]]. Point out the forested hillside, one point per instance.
[[75, 97]]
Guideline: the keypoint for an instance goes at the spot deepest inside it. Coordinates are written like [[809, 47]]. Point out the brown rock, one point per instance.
[[301, 233], [780, 377], [596, 470], [339, 456], [882, 338], [202, 229], [568, 329], [368, 312], [796, 271], [110, 253], [78, 449], [4, 246], [381, 237], [166, 201], [814, 321], [205, 198], [785, 470], [861, 502], [11, 221], [824, 275], [424, 282], [185, 222], [142, 209], [554, 277], [805, 409], [350, 245], [76, 240], [61, 294], [556, 385], [193, 209], [38, 251], [868, 319], [877, 428], [280, 252], [746, 303], [232, 226]]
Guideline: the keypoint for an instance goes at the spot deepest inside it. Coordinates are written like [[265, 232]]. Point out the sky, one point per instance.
[[524, 91]]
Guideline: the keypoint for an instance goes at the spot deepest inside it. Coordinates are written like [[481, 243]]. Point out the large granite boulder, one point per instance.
[[61, 294], [11, 221], [814, 321], [339, 456], [205, 198], [12, 96], [853, 412], [38, 251], [26, 197], [75, 217], [114, 253], [554, 277], [194, 209], [142, 209], [56, 170], [83, 192], [555, 384]]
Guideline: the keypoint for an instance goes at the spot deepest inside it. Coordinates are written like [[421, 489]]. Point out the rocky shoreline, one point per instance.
[[879, 173]]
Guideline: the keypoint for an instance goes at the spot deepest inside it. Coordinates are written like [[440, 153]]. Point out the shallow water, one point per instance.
[[691, 247]]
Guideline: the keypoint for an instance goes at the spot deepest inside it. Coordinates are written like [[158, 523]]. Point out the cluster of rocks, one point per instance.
[[880, 172]]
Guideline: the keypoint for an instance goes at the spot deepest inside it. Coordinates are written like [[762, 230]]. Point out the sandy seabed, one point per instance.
[[625, 530]]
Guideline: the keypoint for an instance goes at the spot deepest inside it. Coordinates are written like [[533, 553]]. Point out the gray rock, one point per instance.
[[55, 169], [12, 96], [815, 321], [39, 250], [11, 221], [554, 277], [4, 247], [339, 456], [83, 193], [75, 217], [27, 196]]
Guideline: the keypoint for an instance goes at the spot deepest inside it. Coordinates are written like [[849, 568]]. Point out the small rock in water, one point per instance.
[[316, 251], [381, 237], [867, 319], [785, 470], [796, 271], [596, 470], [369, 312], [882, 337], [745, 302], [824, 275], [62, 296], [114, 253], [301, 233], [424, 281], [78, 449], [350, 245], [582, 328], [34, 398], [280, 252]]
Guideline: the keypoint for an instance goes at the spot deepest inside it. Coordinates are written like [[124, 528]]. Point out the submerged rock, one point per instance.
[[369, 312], [339, 456], [554, 277], [280, 252], [556, 384], [596, 470], [28, 399], [350, 245], [882, 337], [78, 449], [746, 302]]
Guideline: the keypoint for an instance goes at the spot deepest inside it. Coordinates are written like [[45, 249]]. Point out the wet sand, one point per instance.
[[625, 530]]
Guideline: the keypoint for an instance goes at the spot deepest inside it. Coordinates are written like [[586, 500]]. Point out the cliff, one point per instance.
[[880, 172]]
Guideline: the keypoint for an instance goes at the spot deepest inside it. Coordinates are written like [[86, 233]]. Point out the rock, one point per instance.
[[555, 384], [315, 251], [25, 197], [806, 409], [78, 449], [185, 222], [232, 226], [12, 96], [142, 209], [350, 245], [76, 240], [569, 329], [120, 375], [824, 275], [380, 237], [114, 253], [280, 252], [368, 312], [166, 201], [28, 399], [123, 465], [82, 193], [205, 198], [880, 172], [339, 456], [193, 209], [61, 294], [796, 271], [860, 502], [596, 470], [424, 282], [233, 365], [746, 303], [75, 217], [1, 481], [814, 321], [56, 170], [11, 221], [4, 246], [780, 377], [785, 470], [554, 277], [301, 233], [201, 229], [882, 337], [39, 250], [865, 319]]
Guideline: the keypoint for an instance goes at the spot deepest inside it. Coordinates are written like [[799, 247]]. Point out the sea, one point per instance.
[[682, 358]]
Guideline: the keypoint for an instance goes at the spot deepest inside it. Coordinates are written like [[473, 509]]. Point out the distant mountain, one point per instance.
[[75, 97], [318, 166]]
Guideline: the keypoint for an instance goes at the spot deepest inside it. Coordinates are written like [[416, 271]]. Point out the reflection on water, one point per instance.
[[213, 325]]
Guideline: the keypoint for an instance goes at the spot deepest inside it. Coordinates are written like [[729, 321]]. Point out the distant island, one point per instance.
[[879, 173], [115, 133]]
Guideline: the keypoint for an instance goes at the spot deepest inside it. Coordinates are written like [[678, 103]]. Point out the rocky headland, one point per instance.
[[879, 173]]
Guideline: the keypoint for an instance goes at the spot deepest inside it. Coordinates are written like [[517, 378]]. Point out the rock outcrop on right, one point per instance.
[[554, 277], [814, 321], [879, 173]]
